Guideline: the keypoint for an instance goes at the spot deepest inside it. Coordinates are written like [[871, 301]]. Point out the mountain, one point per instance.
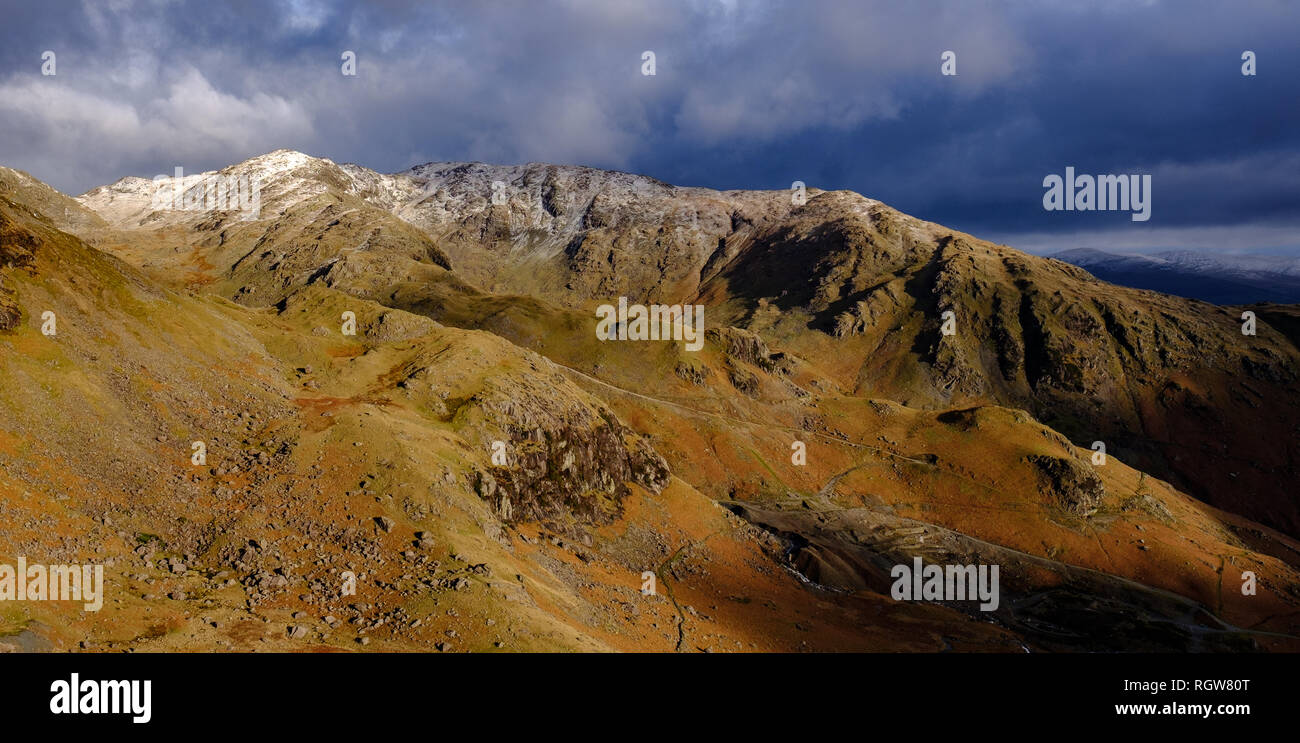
[[1217, 278], [473, 287], [853, 287]]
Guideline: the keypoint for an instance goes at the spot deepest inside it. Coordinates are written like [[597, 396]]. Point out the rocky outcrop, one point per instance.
[[1070, 484], [10, 314], [742, 345], [18, 243], [18, 246], [569, 473]]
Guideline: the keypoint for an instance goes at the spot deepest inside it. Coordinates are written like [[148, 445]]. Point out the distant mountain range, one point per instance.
[[1216, 278]]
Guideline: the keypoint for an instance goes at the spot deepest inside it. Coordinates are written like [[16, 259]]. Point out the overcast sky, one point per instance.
[[745, 95]]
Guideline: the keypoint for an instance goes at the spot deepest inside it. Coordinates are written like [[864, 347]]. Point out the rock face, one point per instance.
[[750, 348]]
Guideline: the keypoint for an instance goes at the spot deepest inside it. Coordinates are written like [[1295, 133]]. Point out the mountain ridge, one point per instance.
[[1224, 279]]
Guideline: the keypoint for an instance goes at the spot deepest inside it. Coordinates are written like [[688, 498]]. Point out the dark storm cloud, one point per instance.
[[746, 95]]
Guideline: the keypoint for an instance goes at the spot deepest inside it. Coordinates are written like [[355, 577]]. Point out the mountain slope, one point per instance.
[[1170, 385], [371, 454], [628, 457]]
